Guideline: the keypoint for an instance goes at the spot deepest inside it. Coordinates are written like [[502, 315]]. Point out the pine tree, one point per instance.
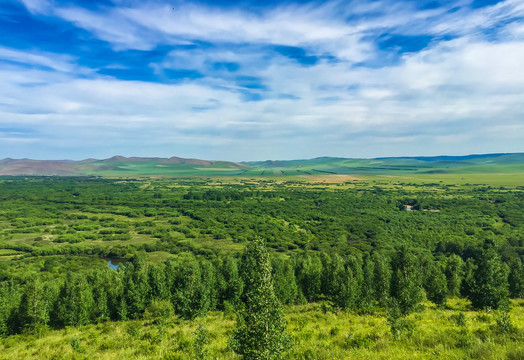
[[489, 288], [260, 330]]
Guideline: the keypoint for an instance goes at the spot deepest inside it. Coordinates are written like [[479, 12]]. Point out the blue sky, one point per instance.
[[257, 80]]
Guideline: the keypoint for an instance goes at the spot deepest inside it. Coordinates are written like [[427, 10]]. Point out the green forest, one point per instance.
[[261, 268]]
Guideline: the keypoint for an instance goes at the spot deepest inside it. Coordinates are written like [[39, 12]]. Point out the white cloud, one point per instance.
[[38, 6], [58, 62], [442, 99]]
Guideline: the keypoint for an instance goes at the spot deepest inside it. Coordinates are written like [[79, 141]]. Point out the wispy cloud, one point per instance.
[[278, 81]]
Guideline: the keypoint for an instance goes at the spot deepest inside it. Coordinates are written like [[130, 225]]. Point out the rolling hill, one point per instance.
[[175, 166]]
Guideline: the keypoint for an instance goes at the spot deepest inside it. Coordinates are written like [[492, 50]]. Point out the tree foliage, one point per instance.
[[260, 330], [490, 280]]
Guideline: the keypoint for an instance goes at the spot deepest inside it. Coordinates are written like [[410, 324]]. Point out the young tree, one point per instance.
[[355, 279], [381, 278], [75, 303], [9, 302], [229, 282], [467, 282], [100, 281], [489, 288], [454, 274], [406, 287], [36, 304], [308, 272], [136, 286], [339, 284], [435, 284], [516, 279], [260, 330], [368, 291], [190, 293], [284, 281], [157, 282]]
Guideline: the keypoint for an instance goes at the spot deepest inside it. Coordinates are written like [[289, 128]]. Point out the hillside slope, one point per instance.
[[175, 166]]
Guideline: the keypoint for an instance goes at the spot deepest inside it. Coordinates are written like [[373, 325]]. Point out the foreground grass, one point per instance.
[[318, 334]]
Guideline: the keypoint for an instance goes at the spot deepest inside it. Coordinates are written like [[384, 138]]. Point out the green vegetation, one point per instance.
[[120, 166], [260, 331], [373, 268], [317, 334]]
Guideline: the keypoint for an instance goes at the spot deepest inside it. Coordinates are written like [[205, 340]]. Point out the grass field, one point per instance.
[[119, 166], [317, 334]]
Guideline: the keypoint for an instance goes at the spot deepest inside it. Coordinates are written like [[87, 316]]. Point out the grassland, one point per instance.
[[119, 166], [317, 333]]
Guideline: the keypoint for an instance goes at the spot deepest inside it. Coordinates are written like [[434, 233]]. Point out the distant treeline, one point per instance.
[[189, 286]]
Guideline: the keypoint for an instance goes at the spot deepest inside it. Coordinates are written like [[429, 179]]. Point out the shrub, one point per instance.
[[75, 344], [504, 324], [200, 342], [459, 319], [159, 311], [515, 354]]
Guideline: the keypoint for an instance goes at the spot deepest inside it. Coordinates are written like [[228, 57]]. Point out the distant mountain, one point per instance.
[[120, 166], [486, 163]]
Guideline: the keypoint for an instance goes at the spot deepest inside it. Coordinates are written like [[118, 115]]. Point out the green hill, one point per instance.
[[119, 166]]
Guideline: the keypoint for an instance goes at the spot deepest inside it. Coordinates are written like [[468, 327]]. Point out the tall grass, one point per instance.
[[318, 332]]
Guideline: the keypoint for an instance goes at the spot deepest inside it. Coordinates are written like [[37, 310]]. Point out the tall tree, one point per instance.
[[260, 330], [158, 283], [229, 281], [284, 280], [137, 292], [516, 278], [36, 304], [489, 288], [454, 274], [75, 303], [368, 291], [308, 270], [9, 302], [190, 294], [100, 281], [340, 285], [381, 278], [406, 287], [435, 284]]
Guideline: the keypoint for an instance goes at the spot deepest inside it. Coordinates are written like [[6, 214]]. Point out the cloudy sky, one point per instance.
[[257, 80]]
